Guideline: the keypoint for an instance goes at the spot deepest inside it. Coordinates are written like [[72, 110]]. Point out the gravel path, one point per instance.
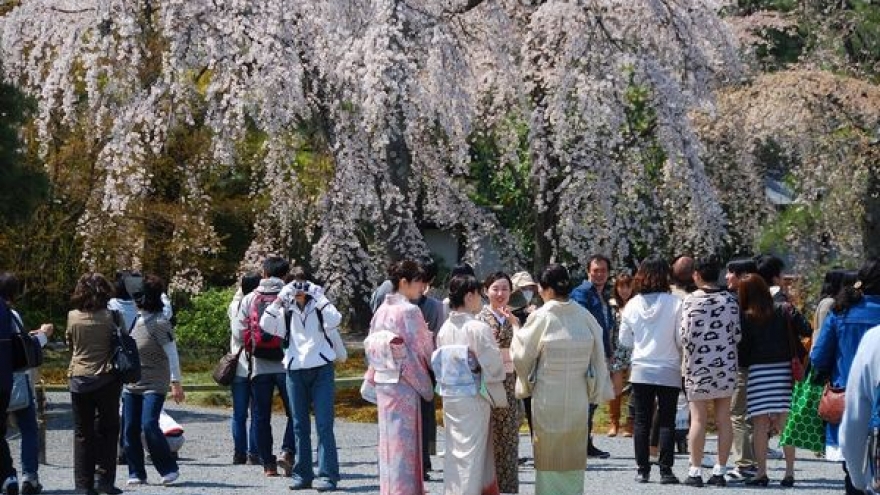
[[206, 462]]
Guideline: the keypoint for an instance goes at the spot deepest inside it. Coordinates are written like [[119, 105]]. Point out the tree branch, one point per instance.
[[467, 7]]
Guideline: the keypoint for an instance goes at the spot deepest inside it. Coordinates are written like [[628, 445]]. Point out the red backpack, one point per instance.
[[258, 343]]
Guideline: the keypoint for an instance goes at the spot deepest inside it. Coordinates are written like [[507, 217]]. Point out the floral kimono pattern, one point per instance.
[[505, 422], [400, 457]]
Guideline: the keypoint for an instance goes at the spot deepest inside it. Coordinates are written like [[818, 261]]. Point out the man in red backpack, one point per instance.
[[263, 354]]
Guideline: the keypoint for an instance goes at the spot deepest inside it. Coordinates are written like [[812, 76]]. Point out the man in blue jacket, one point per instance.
[[8, 479], [593, 294]]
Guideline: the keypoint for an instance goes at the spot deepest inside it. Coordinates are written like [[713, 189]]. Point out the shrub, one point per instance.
[[204, 324]]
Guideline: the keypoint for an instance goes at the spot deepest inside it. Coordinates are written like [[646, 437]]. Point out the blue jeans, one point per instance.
[[314, 387], [6, 469], [30, 439], [262, 387], [244, 440], [141, 413]]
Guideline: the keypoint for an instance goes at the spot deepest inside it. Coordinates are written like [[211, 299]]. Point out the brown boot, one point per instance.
[[614, 412], [285, 464]]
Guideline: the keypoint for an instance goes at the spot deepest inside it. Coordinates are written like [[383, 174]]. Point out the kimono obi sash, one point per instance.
[[560, 356], [385, 350], [456, 370]]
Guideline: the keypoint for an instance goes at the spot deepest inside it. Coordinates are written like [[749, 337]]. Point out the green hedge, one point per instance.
[[204, 323]]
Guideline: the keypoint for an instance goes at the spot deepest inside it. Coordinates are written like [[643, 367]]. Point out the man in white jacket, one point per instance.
[[861, 395], [304, 316]]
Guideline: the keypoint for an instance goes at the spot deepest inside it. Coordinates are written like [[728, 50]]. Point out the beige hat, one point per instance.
[[521, 280]]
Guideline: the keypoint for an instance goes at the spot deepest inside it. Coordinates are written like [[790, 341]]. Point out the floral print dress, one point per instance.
[[505, 422]]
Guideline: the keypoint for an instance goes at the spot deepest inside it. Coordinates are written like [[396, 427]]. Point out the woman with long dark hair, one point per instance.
[[767, 352], [856, 310], [649, 325], [559, 358], [835, 281]]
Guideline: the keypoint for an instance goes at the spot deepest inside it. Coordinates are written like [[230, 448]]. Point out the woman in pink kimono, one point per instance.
[[399, 353]]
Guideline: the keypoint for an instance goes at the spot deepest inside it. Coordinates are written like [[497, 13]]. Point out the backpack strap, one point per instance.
[[287, 315], [321, 325]]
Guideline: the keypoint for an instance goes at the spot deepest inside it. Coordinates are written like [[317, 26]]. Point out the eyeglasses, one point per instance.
[[301, 286]]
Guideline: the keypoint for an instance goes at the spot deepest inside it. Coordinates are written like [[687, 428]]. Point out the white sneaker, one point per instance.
[[170, 477], [135, 481]]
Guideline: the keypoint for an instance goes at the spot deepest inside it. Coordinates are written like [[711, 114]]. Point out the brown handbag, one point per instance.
[[831, 404]]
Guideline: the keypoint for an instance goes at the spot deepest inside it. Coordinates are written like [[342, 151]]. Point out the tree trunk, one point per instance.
[[545, 182]]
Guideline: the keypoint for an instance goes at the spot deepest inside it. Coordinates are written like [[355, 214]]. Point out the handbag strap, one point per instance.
[[787, 313], [17, 325], [116, 316]]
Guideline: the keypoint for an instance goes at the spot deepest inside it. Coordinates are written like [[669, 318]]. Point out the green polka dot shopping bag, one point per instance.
[[804, 428]]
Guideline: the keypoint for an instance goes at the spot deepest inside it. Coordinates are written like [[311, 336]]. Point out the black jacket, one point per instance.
[[772, 342], [5, 347]]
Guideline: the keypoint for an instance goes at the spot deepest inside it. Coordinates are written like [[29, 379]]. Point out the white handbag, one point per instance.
[[338, 345]]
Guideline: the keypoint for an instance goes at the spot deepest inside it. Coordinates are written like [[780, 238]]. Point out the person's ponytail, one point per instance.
[[867, 283]]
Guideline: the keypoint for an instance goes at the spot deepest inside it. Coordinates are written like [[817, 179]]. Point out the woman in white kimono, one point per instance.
[[560, 363], [466, 358]]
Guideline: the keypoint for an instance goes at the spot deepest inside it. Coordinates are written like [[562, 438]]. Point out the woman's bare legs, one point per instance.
[[788, 450], [760, 436], [725, 429], [697, 433]]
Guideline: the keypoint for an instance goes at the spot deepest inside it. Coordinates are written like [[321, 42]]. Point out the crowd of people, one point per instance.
[[680, 340], [109, 416], [726, 344]]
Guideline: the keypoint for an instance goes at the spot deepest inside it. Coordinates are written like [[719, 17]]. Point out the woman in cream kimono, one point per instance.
[[399, 352], [467, 360], [560, 363]]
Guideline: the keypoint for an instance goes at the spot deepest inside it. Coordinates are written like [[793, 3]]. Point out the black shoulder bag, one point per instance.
[[126, 359]]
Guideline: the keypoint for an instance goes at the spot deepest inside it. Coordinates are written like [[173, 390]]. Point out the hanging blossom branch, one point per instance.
[[397, 88]]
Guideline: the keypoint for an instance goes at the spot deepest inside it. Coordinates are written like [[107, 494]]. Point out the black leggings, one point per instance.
[[644, 396]]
